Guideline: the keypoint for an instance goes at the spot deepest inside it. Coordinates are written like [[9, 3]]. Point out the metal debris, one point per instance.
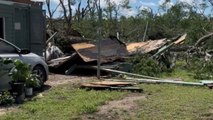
[[111, 49]]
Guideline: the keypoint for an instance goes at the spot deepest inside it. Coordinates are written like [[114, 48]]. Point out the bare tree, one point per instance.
[[92, 8], [81, 12], [67, 14], [211, 2], [51, 13]]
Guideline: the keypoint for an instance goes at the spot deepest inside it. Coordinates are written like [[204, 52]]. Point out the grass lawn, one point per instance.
[[175, 102], [62, 103], [163, 101], [167, 101]]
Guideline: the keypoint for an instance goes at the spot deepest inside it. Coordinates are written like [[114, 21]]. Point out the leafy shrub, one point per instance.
[[204, 71], [6, 98], [146, 66], [63, 44], [194, 63], [32, 80], [19, 71]]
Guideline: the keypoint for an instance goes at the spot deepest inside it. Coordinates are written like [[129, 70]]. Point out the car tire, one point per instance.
[[40, 72]]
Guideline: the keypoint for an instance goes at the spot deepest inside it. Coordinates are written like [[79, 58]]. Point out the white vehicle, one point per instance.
[[9, 50]]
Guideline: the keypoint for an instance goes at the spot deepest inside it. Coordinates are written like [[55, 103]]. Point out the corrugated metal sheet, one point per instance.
[[145, 47], [111, 49]]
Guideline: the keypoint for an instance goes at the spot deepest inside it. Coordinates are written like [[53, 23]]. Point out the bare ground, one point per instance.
[[117, 110], [5, 110], [57, 79]]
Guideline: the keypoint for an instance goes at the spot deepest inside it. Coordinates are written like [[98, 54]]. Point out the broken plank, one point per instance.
[[132, 89], [89, 85], [112, 83], [103, 87], [51, 37], [60, 61]]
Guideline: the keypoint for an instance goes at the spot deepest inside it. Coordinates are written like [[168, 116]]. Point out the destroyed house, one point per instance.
[[22, 22]]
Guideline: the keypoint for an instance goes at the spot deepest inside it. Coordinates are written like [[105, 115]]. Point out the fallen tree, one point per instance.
[[203, 39]]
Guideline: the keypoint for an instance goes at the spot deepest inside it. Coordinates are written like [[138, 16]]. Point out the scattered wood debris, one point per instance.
[[110, 85], [60, 61]]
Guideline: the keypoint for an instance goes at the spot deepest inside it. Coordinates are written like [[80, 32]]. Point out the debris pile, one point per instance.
[[112, 51]]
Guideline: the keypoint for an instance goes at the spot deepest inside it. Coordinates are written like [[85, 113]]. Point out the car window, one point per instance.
[[6, 48]]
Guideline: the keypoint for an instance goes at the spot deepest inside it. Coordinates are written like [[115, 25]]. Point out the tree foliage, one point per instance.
[[168, 22]]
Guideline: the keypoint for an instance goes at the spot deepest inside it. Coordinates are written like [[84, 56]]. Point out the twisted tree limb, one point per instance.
[[202, 39]]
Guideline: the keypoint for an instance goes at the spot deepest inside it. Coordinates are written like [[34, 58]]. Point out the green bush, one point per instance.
[[201, 68], [146, 66], [32, 80], [204, 71], [63, 45], [6, 98]]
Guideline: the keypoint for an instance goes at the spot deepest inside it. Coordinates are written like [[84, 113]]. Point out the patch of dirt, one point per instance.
[[5, 110], [207, 115], [117, 110], [57, 79]]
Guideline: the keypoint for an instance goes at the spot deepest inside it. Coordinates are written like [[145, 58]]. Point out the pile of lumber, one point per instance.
[[111, 85]]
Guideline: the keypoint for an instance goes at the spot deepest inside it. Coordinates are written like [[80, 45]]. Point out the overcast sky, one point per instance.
[[135, 4]]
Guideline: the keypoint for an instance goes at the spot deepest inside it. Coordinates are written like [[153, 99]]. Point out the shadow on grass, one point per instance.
[[43, 89]]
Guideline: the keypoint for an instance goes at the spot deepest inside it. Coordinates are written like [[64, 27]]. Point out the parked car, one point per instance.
[[9, 50]]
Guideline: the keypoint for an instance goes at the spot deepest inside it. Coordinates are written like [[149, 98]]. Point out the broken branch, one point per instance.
[[202, 39]]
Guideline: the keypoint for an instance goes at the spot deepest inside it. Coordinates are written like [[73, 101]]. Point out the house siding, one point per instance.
[[24, 25], [7, 12]]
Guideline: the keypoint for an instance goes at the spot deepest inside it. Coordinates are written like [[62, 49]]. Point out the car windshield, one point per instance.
[[6, 48]]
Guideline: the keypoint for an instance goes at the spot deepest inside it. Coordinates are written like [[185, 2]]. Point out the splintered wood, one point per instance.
[[110, 85]]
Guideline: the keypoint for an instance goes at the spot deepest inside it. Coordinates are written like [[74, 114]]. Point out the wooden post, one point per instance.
[[99, 40]]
